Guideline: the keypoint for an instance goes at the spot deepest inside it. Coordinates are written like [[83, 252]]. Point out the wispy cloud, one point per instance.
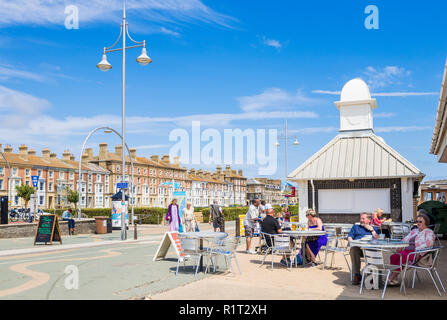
[[169, 32], [21, 103], [403, 129], [314, 130], [275, 98], [153, 146], [8, 72], [384, 77], [382, 94], [271, 43], [36, 12], [384, 115]]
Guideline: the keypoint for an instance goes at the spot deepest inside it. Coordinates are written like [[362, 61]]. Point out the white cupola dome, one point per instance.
[[356, 106], [355, 90]]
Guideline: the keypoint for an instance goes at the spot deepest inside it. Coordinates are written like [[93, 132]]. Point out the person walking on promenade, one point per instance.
[[250, 221], [173, 216], [216, 217], [189, 219]]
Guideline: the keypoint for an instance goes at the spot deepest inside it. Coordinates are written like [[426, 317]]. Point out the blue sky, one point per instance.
[[230, 64]]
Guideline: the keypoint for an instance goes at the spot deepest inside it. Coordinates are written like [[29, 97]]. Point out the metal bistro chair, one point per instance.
[[398, 232], [190, 250], [375, 264], [278, 244], [333, 247], [425, 260], [227, 249], [435, 228]]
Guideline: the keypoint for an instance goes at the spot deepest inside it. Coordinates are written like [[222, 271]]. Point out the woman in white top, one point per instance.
[[189, 219]]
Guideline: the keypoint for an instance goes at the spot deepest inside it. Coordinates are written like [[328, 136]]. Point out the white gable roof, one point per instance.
[[355, 156]]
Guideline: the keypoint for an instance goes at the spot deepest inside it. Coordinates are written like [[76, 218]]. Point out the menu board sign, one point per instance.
[[48, 229]]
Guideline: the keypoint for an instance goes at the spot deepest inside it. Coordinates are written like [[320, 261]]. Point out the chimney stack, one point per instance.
[[103, 152], [32, 152], [8, 149], [53, 156], [72, 157], [119, 150], [46, 153], [241, 173], [89, 152], [154, 158], [66, 155], [133, 153], [23, 152], [165, 159]]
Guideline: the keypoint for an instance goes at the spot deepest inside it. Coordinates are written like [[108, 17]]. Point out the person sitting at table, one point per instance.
[[270, 225], [286, 218], [313, 244], [420, 238], [377, 221], [66, 216], [359, 231]]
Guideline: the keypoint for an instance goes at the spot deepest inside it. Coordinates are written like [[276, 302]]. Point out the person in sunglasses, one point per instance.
[[420, 238]]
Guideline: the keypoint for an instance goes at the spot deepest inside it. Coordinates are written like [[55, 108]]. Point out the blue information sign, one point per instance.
[[122, 185], [35, 180]]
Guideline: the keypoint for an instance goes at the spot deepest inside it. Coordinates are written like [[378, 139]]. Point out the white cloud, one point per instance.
[[153, 146], [314, 130], [8, 72], [45, 13], [403, 129], [13, 101], [274, 98], [384, 115], [382, 94], [169, 32], [271, 43], [389, 75]]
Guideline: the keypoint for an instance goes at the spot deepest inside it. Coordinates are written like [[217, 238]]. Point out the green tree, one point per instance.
[[73, 197], [25, 192]]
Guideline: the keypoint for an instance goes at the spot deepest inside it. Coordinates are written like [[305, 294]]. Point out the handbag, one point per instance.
[[197, 227]]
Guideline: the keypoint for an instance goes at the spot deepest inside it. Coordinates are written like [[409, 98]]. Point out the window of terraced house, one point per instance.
[[14, 171], [1, 170]]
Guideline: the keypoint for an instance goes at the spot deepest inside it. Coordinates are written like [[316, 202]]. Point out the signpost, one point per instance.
[[35, 180], [48, 229]]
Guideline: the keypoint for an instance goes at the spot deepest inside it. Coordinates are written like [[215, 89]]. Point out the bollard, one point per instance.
[[238, 227], [135, 237]]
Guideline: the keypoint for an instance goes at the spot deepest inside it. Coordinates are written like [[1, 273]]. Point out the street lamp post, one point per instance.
[[104, 65], [9, 178], [277, 144], [107, 130]]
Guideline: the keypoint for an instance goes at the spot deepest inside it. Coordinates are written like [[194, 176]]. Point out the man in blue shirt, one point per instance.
[[358, 232]]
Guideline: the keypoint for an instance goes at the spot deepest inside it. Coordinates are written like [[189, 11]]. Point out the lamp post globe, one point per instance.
[[144, 59], [104, 65]]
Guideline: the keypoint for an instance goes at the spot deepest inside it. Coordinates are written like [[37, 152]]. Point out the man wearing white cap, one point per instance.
[[250, 223]]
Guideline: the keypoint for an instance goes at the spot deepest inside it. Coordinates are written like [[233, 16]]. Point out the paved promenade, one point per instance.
[[113, 269]]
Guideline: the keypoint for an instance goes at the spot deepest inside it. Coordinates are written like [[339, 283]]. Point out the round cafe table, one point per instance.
[[303, 234], [204, 235], [379, 244]]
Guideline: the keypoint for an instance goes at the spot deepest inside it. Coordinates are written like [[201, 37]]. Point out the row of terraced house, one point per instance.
[[152, 179]]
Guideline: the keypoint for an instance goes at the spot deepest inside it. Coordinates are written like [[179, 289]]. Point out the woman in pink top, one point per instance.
[[376, 218], [419, 238]]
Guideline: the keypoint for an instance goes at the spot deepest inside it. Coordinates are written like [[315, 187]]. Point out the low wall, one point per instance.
[[24, 230]]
